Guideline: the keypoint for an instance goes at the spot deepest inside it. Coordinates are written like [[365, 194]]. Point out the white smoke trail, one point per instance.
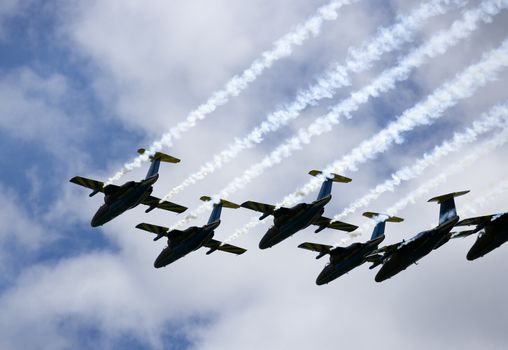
[[489, 121], [423, 113], [471, 208], [497, 141], [359, 59], [461, 87], [281, 48]]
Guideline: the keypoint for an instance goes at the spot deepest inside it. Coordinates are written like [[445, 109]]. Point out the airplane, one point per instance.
[[494, 234], [181, 243], [345, 259], [288, 221], [399, 256], [118, 199]]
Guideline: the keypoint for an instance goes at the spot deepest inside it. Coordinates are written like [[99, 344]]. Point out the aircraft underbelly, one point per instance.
[[177, 251], [110, 211], [334, 271], [401, 260], [298, 223], [488, 242]]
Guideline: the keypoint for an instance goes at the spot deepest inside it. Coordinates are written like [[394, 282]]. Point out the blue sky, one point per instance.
[[83, 85]]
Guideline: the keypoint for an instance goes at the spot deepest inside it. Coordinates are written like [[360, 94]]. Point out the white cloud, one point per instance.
[[32, 109]]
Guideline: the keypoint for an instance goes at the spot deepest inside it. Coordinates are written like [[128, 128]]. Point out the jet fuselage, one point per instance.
[[495, 234], [122, 199], [409, 252], [189, 240], [293, 220], [343, 260]]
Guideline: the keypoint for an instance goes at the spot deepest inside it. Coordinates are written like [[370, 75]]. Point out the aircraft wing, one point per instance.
[[160, 231], [387, 249], [324, 222], [154, 202], [463, 234], [94, 185], [260, 207], [217, 245], [475, 221], [322, 249], [316, 247]]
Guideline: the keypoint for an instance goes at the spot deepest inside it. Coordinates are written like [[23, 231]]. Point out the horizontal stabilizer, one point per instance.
[[444, 197], [161, 156], [387, 249], [225, 203], [260, 207], [324, 222], [332, 176], [375, 259], [463, 234], [476, 221], [382, 217], [154, 202], [228, 248]]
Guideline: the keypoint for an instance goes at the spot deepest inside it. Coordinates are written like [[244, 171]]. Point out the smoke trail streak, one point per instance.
[[281, 48], [424, 113], [499, 140], [472, 208], [359, 59], [491, 120]]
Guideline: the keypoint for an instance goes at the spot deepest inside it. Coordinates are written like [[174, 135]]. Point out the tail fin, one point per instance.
[[217, 208], [447, 202], [326, 187], [156, 159], [381, 219]]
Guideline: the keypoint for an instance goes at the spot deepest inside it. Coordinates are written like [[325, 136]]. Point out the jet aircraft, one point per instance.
[[397, 257], [118, 199], [288, 221], [345, 259], [181, 243], [494, 234]]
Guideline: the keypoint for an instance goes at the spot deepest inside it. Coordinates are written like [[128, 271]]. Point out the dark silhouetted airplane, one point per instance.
[[181, 243], [399, 256], [344, 259], [494, 234], [288, 221], [118, 199]]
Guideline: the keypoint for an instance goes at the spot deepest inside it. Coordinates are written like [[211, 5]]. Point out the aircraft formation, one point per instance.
[[491, 230]]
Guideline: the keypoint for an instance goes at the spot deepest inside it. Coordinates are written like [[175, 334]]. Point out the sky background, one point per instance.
[[85, 84]]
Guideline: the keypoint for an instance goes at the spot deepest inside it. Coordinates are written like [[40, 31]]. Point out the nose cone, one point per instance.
[[381, 276], [95, 223], [325, 276], [475, 252], [99, 218], [472, 255], [265, 242], [158, 263]]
